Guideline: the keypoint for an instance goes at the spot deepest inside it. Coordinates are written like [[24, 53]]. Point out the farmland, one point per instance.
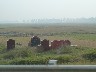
[[82, 35]]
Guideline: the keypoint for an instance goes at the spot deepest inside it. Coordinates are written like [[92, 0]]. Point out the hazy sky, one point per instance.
[[32, 9]]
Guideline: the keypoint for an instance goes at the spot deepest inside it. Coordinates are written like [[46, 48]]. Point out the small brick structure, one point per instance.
[[35, 41], [58, 43], [10, 44], [45, 44], [67, 43]]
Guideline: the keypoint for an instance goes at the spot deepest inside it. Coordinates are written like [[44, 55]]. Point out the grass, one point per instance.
[[80, 40], [29, 55], [82, 35]]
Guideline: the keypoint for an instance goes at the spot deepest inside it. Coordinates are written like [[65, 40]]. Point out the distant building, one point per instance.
[[58, 43], [10, 44], [45, 44], [35, 41]]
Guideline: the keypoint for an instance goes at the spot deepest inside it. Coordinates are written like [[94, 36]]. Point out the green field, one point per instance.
[[82, 35]]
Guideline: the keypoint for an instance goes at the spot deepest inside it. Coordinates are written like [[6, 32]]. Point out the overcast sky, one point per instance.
[[37, 9]]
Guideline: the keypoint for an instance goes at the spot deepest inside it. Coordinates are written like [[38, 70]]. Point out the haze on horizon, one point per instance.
[[40, 9]]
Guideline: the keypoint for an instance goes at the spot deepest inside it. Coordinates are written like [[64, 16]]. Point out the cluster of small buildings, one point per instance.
[[45, 44]]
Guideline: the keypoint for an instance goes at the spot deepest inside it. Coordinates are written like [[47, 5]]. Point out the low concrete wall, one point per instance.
[[47, 68]]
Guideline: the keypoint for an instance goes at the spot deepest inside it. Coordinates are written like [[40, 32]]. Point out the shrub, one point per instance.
[[9, 55], [18, 53], [63, 59], [29, 61], [90, 56], [2, 48], [64, 50]]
